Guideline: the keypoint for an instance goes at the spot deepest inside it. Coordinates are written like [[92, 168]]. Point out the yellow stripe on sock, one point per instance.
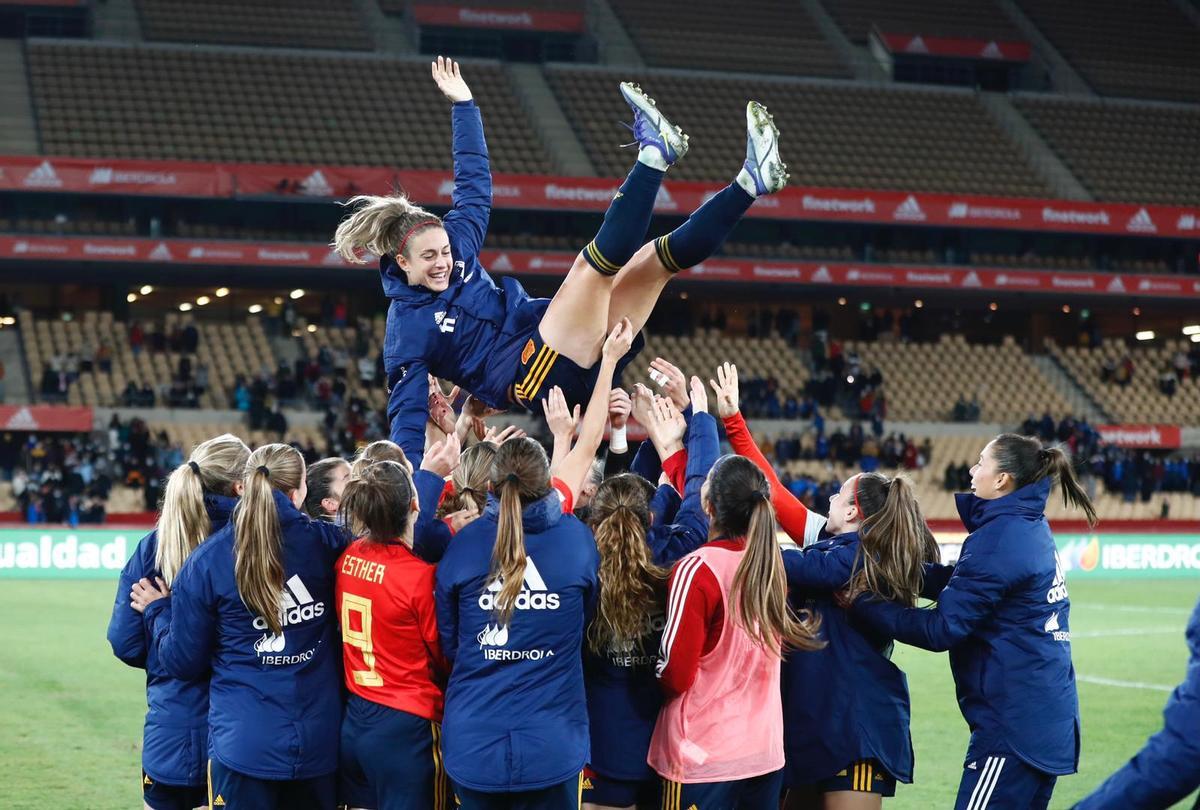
[[597, 258], [669, 258]]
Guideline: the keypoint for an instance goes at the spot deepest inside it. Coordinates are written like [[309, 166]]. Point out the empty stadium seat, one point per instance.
[[981, 19], [161, 102], [1123, 151], [332, 24], [832, 134]]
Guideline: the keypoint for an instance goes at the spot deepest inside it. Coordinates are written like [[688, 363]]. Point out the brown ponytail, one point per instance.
[[214, 467], [1024, 458], [520, 474], [741, 505], [257, 537], [895, 541], [377, 503], [631, 585], [380, 225]]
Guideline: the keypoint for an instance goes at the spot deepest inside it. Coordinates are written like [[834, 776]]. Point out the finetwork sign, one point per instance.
[[64, 553]]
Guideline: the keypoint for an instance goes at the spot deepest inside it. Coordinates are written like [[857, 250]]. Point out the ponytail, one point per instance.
[[183, 522], [1024, 458], [380, 225], [470, 479], [631, 585], [257, 536], [520, 474], [741, 501], [895, 541]]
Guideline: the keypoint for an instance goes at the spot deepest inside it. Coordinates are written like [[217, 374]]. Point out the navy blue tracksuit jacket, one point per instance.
[[1004, 617], [847, 701], [516, 715], [623, 693], [1168, 767], [275, 700], [175, 737], [471, 333]]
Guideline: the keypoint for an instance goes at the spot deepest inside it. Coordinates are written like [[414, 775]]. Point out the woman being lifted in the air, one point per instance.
[[449, 318]]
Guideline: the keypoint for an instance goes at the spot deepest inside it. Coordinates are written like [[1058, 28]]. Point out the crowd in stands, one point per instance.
[[57, 478]]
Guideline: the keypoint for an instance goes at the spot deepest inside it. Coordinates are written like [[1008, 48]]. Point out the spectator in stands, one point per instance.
[[137, 337], [1168, 382], [190, 338], [1124, 372]]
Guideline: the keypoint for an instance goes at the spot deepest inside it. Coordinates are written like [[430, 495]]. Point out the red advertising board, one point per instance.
[[179, 252], [955, 47], [1158, 437], [46, 418], [540, 192], [464, 15]]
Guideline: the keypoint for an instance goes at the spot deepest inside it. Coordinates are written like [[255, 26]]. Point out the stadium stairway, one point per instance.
[[1044, 160], [16, 376], [1063, 75], [541, 105], [18, 130], [392, 32], [117, 20], [865, 68], [1083, 403], [616, 46]]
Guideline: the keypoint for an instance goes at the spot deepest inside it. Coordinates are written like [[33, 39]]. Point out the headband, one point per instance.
[[413, 230]]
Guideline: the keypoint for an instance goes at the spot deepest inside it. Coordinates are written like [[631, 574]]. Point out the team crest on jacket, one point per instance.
[[527, 352]]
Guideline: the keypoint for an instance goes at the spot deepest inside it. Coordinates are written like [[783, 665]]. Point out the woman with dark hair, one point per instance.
[[326, 479], [394, 670], [1004, 616], [718, 741]]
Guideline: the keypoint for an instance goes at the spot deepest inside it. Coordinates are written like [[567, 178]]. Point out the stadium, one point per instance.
[[957, 221]]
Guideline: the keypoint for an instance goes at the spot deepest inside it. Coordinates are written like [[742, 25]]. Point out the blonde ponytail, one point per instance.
[[520, 474], [258, 539], [214, 466], [379, 225]]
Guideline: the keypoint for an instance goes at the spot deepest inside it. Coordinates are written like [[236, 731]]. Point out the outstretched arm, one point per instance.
[[801, 524], [467, 223], [408, 408], [574, 468]]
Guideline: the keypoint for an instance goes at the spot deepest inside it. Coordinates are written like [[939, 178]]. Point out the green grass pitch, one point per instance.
[[72, 714]]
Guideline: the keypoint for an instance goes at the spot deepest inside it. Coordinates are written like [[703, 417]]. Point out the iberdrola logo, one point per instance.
[[1081, 554]]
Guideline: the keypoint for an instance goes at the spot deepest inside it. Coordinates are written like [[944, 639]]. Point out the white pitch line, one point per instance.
[[1155, 687], [1128, 631], [1133, 608]]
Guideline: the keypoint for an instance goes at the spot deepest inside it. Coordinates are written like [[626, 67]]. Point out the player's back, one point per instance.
[[389, 631]]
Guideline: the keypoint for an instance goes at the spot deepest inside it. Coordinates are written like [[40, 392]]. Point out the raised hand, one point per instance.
[[499, 436], [618, 341], [441, 406], [672, 381], [666, 427], [559, 417], [643, 403], [619, 408], [726, 389], [699, 396], [442, 459], [462, 517], [449, 80]]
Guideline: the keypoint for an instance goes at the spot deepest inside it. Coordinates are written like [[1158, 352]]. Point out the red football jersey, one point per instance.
[[390, 644]]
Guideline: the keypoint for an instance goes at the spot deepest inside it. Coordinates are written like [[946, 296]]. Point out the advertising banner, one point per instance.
[[955, 47], [179, 252], [543, 192], [464, 15], [1106, 556], [46, 418], [64, 553], [1150, 436]]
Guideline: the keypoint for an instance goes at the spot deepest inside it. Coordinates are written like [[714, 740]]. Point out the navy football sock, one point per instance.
[[705, 230], [625, 224]]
